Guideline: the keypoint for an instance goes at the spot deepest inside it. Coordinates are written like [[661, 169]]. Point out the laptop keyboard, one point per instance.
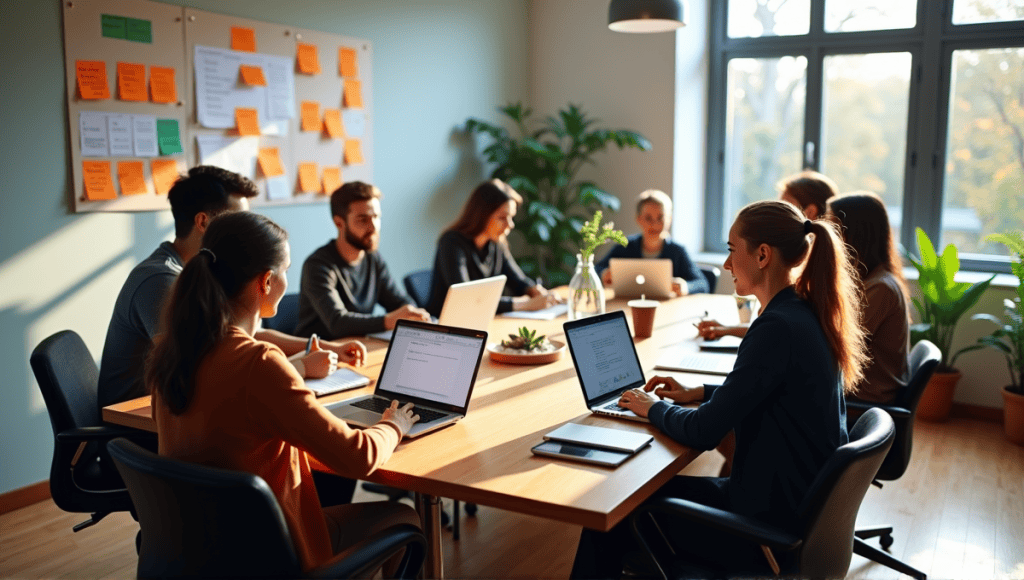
[[379, 405]]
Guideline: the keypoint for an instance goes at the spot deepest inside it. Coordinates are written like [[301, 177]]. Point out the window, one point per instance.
[[919, 101]]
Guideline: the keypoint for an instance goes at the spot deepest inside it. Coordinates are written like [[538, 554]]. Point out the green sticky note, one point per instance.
[[167, 136], [139, 30], [114, 26]]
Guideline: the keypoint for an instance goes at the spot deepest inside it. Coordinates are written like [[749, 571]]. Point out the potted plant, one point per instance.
[[542, 162], [943, 301], [1008, 338], [586, 293]]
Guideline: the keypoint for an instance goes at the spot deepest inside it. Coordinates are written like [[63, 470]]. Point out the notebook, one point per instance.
[[727, 343], [430, 365], [635, 277], [343, 379], [467, 305], [711, 363], [606, 362]]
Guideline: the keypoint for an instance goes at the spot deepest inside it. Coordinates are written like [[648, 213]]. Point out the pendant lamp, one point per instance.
[[646, 15]]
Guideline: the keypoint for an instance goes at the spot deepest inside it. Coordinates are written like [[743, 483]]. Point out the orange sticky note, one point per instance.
[[308, 182], [161, 84], [309, 62], [243, 39], [270, 162], [165, 173], [129, 175], [353, 94], [332, 120], [99, 184], [347, 66], [332, 179], [131, 81], [247, 121], [252, 75], [92, 79], [353, 152], [311, 116]]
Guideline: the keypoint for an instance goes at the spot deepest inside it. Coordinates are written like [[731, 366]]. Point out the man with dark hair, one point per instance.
[[344, 280]]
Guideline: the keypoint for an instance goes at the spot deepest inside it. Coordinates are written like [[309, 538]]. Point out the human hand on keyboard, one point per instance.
[[403, 418], [671, 389]]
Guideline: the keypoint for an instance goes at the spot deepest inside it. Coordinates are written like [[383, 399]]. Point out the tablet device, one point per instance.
[[580, 453], [600, 437]]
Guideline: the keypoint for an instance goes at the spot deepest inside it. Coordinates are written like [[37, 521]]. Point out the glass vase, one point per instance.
[[586, 293]]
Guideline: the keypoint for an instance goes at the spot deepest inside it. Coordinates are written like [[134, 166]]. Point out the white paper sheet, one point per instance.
[[119, 130], [355, 122], [219, 91], [280, 87], [549, 313], [144, 135], [92, 131], [236, 154], [277, 187]]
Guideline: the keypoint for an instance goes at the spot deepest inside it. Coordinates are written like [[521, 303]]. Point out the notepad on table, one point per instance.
[[697, 362], [549, 313], [343, 379]]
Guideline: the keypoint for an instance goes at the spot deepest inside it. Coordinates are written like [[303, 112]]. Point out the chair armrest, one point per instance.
[[895, 412], [97, 433], [736, 524], [365, 557]]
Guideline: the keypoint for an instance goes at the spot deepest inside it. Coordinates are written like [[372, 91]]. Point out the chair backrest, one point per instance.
[[711, 273], [68, 378], [924, 358], [417, 284], [287, 318], [829, 511], [203, 521]]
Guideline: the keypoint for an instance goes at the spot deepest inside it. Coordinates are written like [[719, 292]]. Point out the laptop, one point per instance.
[[635, 277], [467, 305], [430, 365], [606, 362]]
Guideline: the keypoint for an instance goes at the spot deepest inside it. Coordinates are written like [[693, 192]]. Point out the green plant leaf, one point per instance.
[[949, 265], [590, 194], [1014, 241], [988, 317], [545, 212], [928, 258]]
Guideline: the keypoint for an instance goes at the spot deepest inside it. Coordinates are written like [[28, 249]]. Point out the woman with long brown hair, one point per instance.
[[223, 399], [475, 247], [783, 398]]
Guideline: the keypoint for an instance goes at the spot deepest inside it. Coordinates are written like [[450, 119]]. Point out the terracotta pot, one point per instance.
[[1013, 416], [937, 399]]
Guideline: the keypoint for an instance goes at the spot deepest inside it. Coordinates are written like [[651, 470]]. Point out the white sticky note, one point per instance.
[[119, 129], [144, 135], [355, 122], [277, 187], [92, 132]]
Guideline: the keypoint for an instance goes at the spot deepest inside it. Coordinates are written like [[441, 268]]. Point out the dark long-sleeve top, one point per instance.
[[336, 298], [784, 399], [682, 266], [458, 260]]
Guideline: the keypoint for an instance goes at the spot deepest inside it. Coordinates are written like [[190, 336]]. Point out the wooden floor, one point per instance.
[[958, 513]]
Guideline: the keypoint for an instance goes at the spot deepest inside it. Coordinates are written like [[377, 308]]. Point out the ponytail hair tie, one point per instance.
[[213, 257], [807, 230]]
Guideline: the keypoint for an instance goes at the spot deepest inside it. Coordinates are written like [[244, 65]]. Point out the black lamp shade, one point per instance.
[[646, 15]]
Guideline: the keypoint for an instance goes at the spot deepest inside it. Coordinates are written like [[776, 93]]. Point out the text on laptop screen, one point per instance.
[[605, 357], [436, 366]]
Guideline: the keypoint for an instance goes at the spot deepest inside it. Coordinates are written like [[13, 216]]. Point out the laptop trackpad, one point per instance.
[[360, 416]]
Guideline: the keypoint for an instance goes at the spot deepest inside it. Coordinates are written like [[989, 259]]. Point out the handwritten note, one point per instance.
[[347, 66], [252, 75], [353, 152], [332, 179], [270, 162], [112, 26], [168, 136], [353, 94], [243, 39], [332, 120], [130, 176], [119, 128], [99, 185], [137, 30], [165, 173], [92, 134], [309, 61], [308, 181], [92, 79], [247, 121], [161, 84], [311, 116], [144, 136], [131, 81]]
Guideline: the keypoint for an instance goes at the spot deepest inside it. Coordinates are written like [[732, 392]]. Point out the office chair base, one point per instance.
[[92, 521], [861, 548], [884, 535]]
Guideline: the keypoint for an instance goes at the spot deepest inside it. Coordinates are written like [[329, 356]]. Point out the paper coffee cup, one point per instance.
[[643, 316]]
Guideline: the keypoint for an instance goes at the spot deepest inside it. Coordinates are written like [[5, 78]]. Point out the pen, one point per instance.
[[309, 343]]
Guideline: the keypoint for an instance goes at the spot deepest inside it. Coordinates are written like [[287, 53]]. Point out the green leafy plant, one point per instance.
[[526, 340], [542, 162], [943, 301], [594, 234], [1008, 337]]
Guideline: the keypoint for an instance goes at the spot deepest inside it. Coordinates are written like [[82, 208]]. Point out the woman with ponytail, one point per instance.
[[784, 397], [221, 398]]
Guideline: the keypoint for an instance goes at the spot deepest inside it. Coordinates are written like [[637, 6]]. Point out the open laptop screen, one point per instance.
[[603, 352], [432, 364]]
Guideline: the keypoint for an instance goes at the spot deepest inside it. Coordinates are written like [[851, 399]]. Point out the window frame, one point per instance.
[[931, 43]]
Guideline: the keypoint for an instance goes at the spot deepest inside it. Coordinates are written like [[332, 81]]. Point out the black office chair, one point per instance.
[[822, 544], [201, 521], [924, 358], [82, 477], [417, 284], [287, 317], [711, 274]]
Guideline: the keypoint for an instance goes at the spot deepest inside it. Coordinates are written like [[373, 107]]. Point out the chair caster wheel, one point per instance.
[[885, 541], [471, 509]]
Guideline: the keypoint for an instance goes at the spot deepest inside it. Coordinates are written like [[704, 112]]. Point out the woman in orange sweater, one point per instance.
[[221, 398]]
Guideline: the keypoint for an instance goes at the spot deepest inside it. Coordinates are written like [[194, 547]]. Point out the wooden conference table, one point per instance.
[[485, 458]]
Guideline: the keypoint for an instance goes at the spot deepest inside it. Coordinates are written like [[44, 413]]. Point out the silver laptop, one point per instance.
[[470, 304], [606, 362], [432, 366], [635, 277]]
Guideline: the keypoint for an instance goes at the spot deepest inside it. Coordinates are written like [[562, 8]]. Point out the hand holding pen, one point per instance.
[[318, 363]]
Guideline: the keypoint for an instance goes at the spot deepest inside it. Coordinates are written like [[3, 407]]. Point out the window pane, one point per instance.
[[864, 128], [985, 149], [979, 11], [764, 128], [754, 18], [858, 15]]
